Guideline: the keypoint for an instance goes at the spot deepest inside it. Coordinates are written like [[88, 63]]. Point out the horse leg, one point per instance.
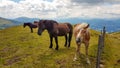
[[56, 40], [70, 37], [86, 48], [65, 40], [77, 52], [31, 30], [51, 39]]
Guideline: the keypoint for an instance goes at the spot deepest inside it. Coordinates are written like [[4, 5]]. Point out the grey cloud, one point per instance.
[[95, 2], [87, 1], [115, 14]]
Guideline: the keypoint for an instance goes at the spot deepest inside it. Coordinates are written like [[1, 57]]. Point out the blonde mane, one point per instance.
[[82, 25]]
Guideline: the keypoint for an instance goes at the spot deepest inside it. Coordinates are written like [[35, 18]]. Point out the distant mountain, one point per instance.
[[4, 23], [112, 25], [26, 19]]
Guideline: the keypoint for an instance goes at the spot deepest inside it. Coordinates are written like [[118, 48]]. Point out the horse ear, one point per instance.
[[87, 26], [75, 25], [40, 20]]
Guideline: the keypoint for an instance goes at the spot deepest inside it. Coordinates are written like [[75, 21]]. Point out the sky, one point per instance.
[[61, 9]]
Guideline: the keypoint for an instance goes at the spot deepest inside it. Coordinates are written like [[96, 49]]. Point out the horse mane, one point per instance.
[[27, 23], [83, 25], [48, 21]]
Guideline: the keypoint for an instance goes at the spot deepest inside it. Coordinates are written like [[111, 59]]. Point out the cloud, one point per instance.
[[87, 2], [95, 2], [60, 8]]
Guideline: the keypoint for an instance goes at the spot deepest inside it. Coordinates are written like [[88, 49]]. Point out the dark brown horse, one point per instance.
[[56, 29], [30, 25]]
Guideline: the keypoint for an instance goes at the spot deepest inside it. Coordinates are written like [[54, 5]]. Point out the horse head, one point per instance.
[[24, 25], [82, 33], [41, 27]]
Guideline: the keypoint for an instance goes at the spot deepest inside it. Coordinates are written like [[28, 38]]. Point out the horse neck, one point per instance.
[[87, 35], [49, 26], [28, 24]]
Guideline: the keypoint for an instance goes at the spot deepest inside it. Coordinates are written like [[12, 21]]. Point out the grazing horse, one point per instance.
[[82, 35], [30, 26], [56, 29]]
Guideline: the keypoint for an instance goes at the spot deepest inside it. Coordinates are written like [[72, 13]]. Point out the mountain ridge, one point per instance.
[[25, 19], [112, 25]]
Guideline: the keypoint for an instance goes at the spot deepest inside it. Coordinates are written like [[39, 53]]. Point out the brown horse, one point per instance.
[[82, 35], [30, 25], [56, 29]]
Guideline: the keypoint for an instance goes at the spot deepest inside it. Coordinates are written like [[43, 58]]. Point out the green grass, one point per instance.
[[21, 49]]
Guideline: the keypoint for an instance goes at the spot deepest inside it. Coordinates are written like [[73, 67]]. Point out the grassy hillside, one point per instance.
[[21, 49], [4, 23]]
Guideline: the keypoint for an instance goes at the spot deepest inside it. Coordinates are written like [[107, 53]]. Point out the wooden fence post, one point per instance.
[[100, 47], [98, 52]]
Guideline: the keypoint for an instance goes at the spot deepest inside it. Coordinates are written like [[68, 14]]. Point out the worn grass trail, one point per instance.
[[21, 49]]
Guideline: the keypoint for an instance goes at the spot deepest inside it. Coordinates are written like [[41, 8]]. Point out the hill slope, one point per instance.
[[21, 49], [4, 23]]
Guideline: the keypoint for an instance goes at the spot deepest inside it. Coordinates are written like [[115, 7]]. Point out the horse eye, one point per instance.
[[83, 31]]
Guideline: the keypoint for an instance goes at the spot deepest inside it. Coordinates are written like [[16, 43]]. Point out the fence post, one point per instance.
[[99, 52], [104, 31], [100, 47]]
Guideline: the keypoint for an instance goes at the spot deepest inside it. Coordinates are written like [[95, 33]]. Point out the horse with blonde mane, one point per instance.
[[82, 35]]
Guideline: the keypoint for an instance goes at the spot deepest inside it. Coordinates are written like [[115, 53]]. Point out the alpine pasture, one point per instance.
[[21, 49]]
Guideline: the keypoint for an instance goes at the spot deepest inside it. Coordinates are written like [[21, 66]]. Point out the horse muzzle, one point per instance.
[[78, 40]]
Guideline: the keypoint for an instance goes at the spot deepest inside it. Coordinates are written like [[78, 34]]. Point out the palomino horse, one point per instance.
[[30, 25], [82, 35], [56, 29]]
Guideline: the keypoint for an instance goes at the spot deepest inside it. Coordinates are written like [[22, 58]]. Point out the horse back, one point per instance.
[[63, 29]]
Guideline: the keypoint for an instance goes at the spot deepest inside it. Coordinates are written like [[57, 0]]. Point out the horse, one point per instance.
[[30, 25], [56, 29], [82, 35]]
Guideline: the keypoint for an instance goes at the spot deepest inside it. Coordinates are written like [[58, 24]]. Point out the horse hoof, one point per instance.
[[50, 47], [56, 48], [65, 45], [68, 46], [75, 59], [88, 61]]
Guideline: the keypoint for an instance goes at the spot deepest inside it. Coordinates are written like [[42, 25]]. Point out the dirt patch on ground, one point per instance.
[[4, 52], [14, 59], [118, 61]]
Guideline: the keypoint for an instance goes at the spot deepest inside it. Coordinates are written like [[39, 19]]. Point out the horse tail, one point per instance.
[[70, 33]]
